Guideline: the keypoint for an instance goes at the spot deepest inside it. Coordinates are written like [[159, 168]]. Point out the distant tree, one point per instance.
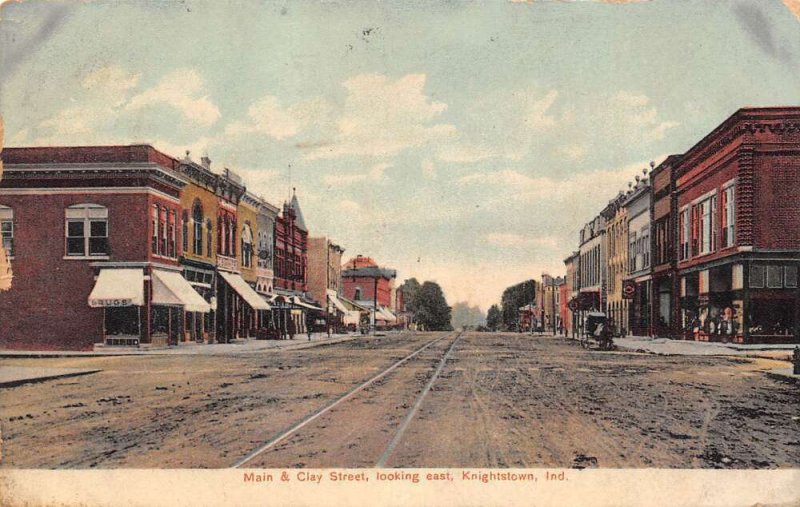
[[410, 290], [466, 316], [493, 318], [513, 298], [432, 311]]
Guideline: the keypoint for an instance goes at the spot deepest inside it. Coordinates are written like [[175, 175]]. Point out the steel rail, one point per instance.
[[271, 443], [387, 453]]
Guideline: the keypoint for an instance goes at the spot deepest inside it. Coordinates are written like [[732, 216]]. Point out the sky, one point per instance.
[[461, 142]]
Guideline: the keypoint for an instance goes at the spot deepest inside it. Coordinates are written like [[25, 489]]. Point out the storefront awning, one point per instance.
[[170, 288], [247, 293], [299, 302], [385, 314], [335, 301], [118, 287], [352, 317]]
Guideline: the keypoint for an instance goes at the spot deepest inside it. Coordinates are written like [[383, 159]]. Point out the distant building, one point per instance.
[[637, 210], [325, 278], [370, 286]]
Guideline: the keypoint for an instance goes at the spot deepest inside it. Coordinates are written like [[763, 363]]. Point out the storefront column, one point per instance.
[[746, 302]]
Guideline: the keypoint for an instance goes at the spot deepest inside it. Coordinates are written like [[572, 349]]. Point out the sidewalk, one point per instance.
[[11, 376], [239, 347], [666, 346]]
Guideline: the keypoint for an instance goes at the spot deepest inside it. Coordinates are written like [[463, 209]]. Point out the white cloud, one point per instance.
[[375, 173], [267, 116], [348, 206], [635, 118], [381, 118], [572, 152], [510, 240], [578, 187], [182, 90], [111, 83], [428, 169], [537, 116], [464, 153]]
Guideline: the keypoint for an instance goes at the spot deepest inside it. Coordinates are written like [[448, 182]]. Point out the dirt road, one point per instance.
[[500, 401]]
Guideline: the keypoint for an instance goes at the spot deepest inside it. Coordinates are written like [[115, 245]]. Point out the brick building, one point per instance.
[[665, 315], [370, 286], [738, 205], [95, 236], [325, 279], [291, 268]]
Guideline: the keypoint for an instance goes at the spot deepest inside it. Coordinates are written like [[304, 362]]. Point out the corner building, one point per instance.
[[738, 198]]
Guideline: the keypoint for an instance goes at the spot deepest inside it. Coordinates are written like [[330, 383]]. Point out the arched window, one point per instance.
[[185, 230], [209, 236], [197, 219], [357, 295], [86, 230], [7, 229], [247, 246]]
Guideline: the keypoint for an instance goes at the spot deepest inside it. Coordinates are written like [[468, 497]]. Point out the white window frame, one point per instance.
[[730, 213], [85, 214], [7, 217]]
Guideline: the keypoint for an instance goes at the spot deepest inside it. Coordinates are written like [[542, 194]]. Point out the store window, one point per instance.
[[774, 277], [86, 230], [757, 274], [7, 229], [790, 277]]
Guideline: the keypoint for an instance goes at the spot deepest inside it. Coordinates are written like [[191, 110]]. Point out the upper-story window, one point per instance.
[[247, 246], [209, 236], [171, 234], [185, 230], [197, 220], [703, 226], [683, 224], [162, 231], [7, 229], [154, 228], [86, 230], [728, 217]]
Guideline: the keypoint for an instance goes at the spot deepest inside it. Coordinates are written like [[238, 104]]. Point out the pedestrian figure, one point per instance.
[[292, 329]]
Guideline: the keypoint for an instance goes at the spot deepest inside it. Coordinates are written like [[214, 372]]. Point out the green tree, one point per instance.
[[493, 318], [432, 311], [513, 298], [410, 290]]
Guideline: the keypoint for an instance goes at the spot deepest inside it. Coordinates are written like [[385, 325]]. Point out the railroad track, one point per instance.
[[398, 434]]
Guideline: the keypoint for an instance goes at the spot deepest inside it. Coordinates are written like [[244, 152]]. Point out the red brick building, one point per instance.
[[95, 238], [291, 269], [738, 229], [665, 314], [370, 285]]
